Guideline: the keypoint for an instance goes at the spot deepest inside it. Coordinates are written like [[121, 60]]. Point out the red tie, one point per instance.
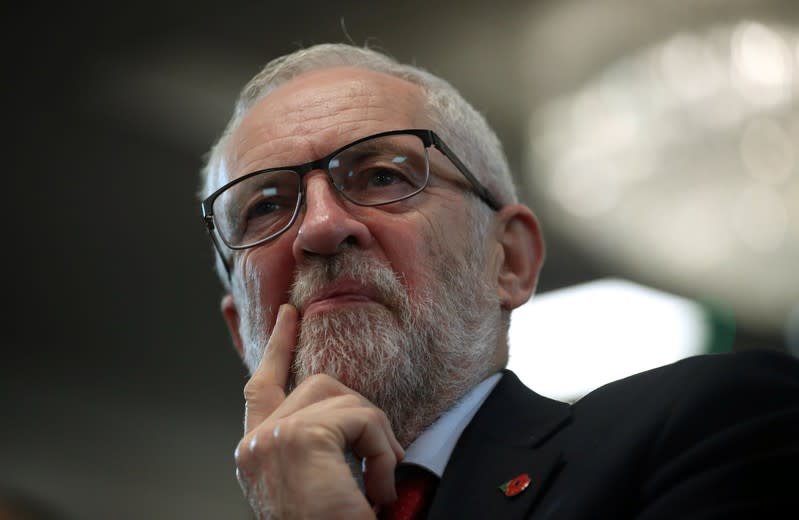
[[414, 493]]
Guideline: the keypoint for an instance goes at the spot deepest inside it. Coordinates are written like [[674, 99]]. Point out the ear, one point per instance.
[[521, 249], [231, 314]]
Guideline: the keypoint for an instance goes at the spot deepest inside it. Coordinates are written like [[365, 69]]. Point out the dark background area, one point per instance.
[[120, 393]]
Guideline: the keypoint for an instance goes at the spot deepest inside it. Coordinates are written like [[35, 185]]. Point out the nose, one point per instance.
[[327, 225]]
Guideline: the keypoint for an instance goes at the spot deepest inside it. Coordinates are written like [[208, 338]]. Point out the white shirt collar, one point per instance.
[[434, 446]]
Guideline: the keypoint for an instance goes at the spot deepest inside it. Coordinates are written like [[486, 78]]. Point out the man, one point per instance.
[[372, 248]]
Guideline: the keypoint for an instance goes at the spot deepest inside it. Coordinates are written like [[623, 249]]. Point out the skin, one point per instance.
[[291, 459]]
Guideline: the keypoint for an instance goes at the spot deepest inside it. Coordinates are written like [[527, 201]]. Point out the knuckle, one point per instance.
[[322, 382], [242, 455], [319, 381], [297, 434], [265, 446], [376, 415], [382, 417], [289, 428], [350, 400], [252, 389], [256, 448]]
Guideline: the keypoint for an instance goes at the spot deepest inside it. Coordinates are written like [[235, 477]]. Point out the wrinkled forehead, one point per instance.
[[318, 112]]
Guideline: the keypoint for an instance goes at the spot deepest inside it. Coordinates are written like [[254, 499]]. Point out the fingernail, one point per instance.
[[281, 311]]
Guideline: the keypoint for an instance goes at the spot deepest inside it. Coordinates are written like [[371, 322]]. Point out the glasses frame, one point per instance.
[[428, 137]]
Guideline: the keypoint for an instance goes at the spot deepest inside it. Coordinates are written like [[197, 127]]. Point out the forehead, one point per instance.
[[319, 111]]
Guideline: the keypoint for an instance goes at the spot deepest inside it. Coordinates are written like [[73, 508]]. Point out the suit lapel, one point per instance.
[[506, 438]]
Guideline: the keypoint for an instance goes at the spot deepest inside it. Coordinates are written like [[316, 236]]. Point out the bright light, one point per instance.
[[568, 342], [678, 162], [761, 55]]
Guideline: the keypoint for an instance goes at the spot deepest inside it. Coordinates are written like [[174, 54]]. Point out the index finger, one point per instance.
[[266, 389]]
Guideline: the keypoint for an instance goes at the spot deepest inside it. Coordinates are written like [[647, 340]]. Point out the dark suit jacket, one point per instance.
[[712, 436]]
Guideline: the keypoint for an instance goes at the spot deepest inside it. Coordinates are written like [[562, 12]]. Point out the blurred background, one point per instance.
[[658, 142]]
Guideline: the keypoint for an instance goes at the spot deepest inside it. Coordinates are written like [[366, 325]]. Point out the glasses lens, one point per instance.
[[257, 208], [381, 170]]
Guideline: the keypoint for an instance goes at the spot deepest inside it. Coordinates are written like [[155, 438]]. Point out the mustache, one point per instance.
[[317, 273]]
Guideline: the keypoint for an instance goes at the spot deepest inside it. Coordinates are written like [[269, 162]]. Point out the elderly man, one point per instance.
[[372, 249]]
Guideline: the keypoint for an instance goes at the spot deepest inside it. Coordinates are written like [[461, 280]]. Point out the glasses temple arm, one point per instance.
[[481, 191], [209, 226]]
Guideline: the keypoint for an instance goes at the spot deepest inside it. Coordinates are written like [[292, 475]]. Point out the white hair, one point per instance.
[[459, 124]]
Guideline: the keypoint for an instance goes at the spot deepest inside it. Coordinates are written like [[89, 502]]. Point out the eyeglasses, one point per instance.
[[372, 171]]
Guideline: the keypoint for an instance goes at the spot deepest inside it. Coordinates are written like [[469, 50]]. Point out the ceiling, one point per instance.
[[121, 393]]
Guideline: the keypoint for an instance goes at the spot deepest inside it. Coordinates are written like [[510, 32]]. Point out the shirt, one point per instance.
[[434, 446]]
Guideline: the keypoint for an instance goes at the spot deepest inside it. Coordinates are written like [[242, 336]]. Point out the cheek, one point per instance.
[[412, 252], [267, 272]]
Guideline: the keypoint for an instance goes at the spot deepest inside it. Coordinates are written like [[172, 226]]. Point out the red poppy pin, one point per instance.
[[515, 485]]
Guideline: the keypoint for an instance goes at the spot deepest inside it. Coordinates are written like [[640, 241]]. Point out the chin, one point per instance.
[[363, 347]]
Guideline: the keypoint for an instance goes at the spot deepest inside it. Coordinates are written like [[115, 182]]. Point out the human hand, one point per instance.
[[290, 462]]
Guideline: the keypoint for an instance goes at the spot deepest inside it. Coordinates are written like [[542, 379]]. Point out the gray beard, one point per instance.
[[411, 356]]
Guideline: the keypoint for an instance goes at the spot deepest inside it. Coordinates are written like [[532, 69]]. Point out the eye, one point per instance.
[[268, 203], [262, 208], [381, 171], [382, 177]]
